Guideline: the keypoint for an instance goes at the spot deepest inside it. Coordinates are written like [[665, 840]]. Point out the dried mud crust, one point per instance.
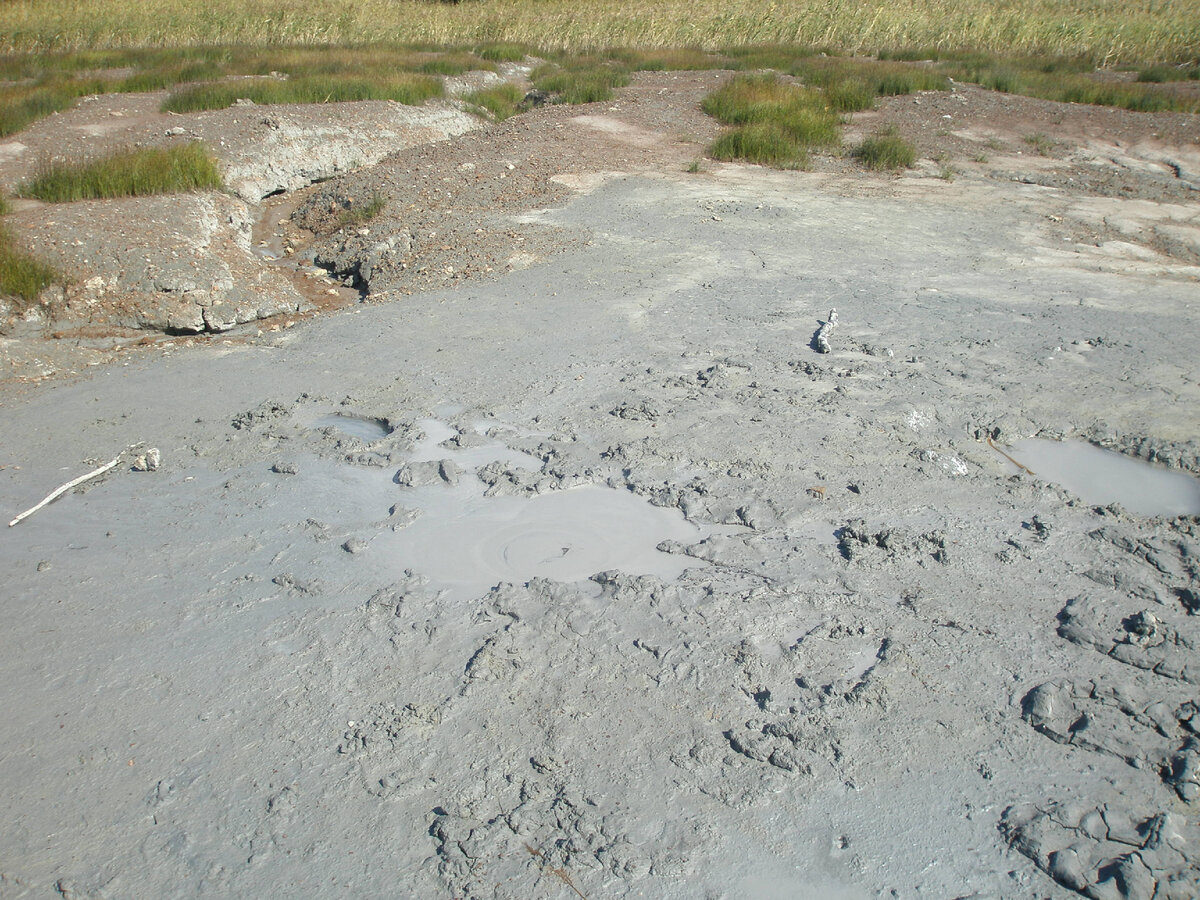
[[1119, 192], [894, 670]]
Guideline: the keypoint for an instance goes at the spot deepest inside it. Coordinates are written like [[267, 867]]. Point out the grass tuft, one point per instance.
[[774, 123], [582, 80], [502, 52], [850, 95], [802, 113], [1040, 143], [21, 276], [886, 151], [127, 173], [502, 101], [360, 213], [762, 143]]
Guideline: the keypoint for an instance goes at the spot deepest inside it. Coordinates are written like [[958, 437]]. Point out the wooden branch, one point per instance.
[[58, 492]]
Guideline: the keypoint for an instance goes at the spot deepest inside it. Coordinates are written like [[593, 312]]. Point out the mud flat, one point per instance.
[[857, 654]]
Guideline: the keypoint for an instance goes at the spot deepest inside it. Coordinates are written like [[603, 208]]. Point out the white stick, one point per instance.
[[66, 487]]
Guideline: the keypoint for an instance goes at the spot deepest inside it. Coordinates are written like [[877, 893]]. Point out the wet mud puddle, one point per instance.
[[1101, 477], [273, 248], [365, 428], [446, 527]]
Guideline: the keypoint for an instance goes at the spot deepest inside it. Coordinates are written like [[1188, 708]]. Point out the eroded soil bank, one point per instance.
[[853, 654]]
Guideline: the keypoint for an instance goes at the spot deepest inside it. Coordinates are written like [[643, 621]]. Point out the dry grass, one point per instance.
[[1105, 31]]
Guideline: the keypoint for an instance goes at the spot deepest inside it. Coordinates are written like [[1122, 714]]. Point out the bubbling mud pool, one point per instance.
[[1101, 477], [364, 428]]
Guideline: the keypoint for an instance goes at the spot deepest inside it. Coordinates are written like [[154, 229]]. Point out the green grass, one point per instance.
[[502, 101], [502, 52], [360, 213], [128, 173], [774, 123], [581, 80], [1070, 80], [755, 99], [1160, 73], [23, 104], [779, 57], [850, 95], [21, 276], [763, 143], [402, 88], [883, 78], [885, 151]]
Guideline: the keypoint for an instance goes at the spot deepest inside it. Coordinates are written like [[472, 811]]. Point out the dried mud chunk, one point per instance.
[[385, 726], [417, 474], [858, 544], [1106, 851], [553, 834], [1116, 720], [266, 412], [637, 411], [794, 743], [1143, 640], [1098, 717]]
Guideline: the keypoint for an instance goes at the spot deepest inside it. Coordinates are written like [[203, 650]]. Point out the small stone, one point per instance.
[[284, 468], [355, 545], [148, 461]]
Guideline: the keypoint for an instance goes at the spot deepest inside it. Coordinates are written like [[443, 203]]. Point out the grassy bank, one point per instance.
[[128, 173], [22, 277], [1104, 31]]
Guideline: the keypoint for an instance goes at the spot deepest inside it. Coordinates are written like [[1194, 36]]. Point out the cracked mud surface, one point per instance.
[[888, 666]]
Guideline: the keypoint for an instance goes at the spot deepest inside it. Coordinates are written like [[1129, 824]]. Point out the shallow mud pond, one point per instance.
[[1101, 477]]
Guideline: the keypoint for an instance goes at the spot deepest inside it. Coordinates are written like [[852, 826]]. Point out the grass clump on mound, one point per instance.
[[127, 173], [883, 78], [773, 123], [763, 143], [886, 151], [502, 101], [21, 276], [406, 88], [361, 213], [583, 79]]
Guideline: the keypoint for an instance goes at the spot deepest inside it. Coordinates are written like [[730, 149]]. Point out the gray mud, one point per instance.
[[886, 666]]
